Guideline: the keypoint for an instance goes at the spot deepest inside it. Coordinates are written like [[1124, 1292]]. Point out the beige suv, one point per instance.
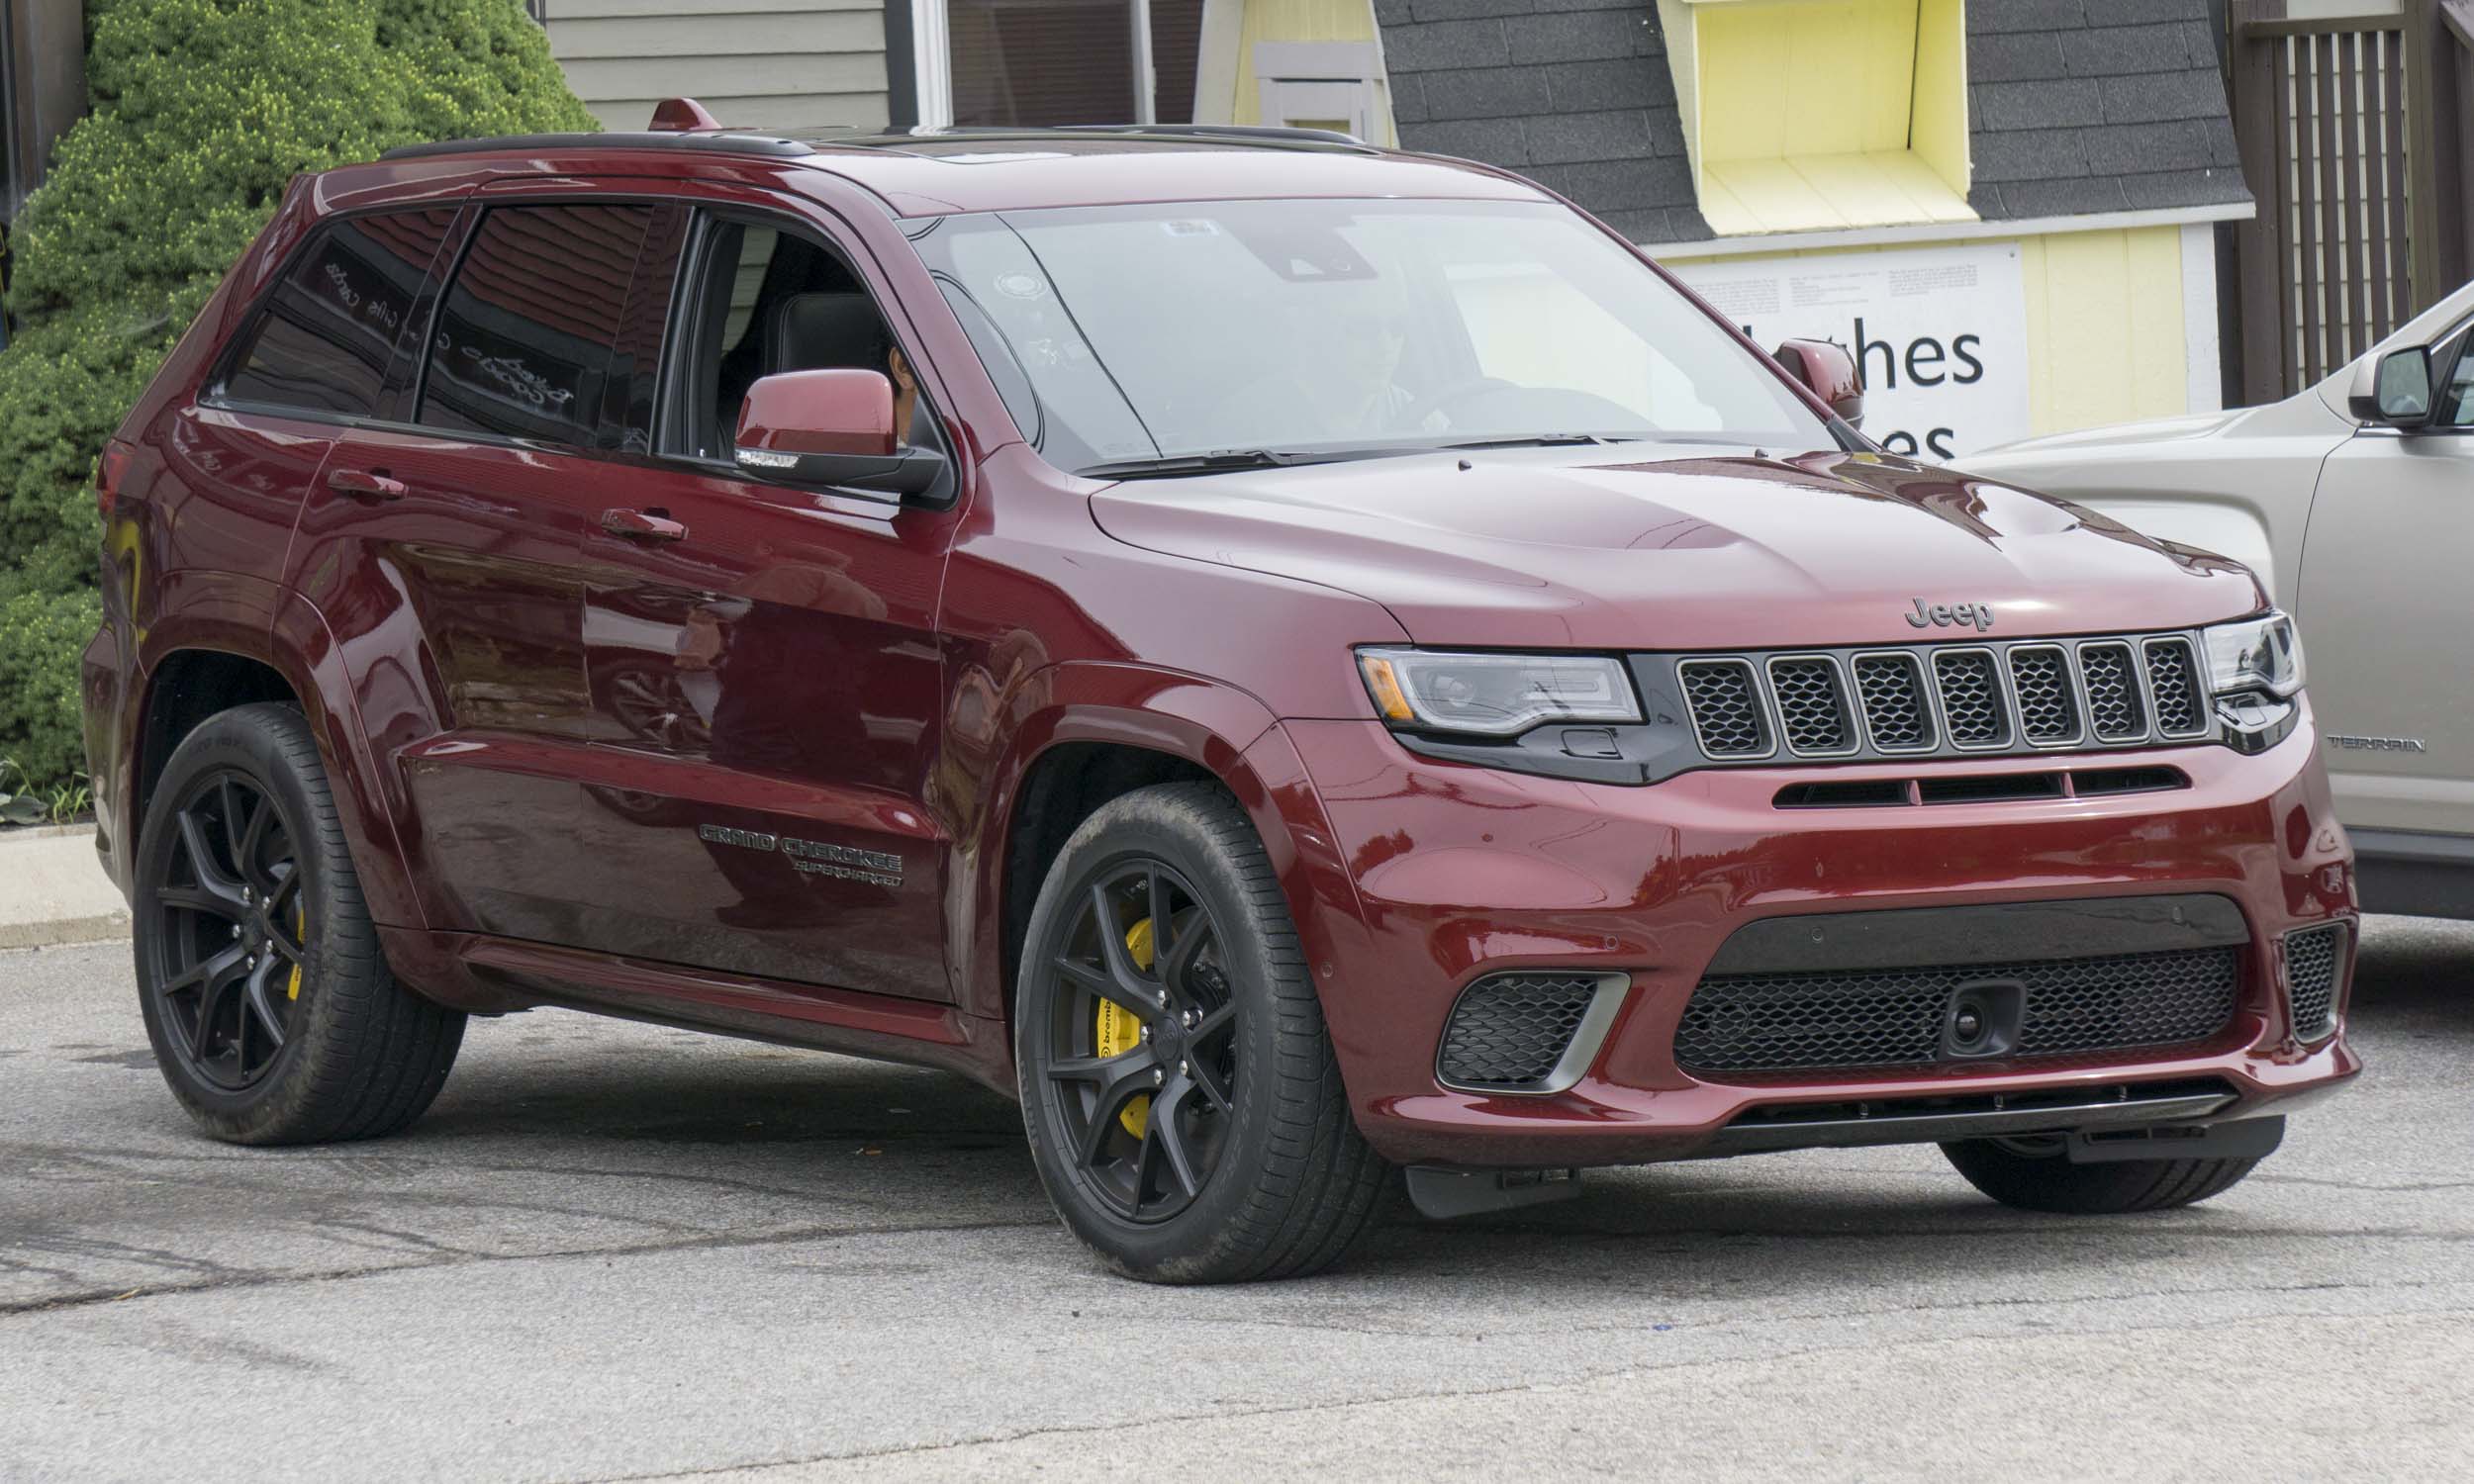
[[2353, 500]]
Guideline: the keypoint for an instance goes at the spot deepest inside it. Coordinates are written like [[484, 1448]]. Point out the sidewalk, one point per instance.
[[52, 890]]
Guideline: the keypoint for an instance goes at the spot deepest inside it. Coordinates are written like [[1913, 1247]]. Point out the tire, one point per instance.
[[308, 1038], [1234, 1156], [2034, 1174]]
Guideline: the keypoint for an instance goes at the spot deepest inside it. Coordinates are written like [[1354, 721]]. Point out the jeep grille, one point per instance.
[[1965, 700]]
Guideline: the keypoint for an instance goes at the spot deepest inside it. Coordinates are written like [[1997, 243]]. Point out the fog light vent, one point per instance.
[[2311, 957], [1533, 1032]]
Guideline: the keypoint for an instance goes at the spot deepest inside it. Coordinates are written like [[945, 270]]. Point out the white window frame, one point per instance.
[[1319, 80]]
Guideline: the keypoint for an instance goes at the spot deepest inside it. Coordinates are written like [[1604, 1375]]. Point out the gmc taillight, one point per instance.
[[108, 472]]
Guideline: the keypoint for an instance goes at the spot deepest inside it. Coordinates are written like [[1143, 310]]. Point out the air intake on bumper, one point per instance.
[[1527, 1032]]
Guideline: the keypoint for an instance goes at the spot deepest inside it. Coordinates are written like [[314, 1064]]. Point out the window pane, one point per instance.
[[524, 338], [330, 324], [768, 301], [635, 360], [1018, 63]]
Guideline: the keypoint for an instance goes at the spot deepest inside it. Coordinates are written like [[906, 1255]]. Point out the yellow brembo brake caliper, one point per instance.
[[1117, 1031], [300, 934]]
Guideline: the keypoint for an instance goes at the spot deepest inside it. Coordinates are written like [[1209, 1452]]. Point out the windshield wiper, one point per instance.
[[1232, 458], [1542, 440]]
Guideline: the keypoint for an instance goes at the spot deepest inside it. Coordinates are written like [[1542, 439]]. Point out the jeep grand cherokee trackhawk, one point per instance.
[[1300, 660]]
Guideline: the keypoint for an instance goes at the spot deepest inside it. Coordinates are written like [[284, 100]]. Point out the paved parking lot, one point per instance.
[[615, 1251]]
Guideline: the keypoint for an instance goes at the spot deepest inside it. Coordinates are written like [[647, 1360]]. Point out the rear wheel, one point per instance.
[[2034, 1174], [1184, 1105], [265, 995]]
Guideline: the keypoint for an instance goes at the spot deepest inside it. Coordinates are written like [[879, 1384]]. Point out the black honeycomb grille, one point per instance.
[[1972, 698], [2048, 710], [1511, 1030], [1726, 708], [2114, 708], [2174, 677], [1892, 692], [1811, 710], [1754, 1023], [2311, 958]]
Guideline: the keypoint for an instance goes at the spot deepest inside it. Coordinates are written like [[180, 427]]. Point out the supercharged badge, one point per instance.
[[812, 857]]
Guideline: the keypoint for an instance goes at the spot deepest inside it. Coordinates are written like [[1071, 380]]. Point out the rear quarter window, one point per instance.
[[330, 324]]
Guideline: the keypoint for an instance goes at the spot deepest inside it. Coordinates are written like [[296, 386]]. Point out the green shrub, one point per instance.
[[203, 111]]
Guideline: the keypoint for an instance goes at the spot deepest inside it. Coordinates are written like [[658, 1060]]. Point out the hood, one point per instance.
[[1601, 548]]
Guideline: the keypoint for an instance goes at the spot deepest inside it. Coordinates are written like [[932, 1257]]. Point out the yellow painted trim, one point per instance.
[[1297, 21], [1822, 115], [1937, 135]]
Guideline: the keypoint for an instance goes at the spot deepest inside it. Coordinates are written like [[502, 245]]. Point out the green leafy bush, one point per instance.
[[203, 111]]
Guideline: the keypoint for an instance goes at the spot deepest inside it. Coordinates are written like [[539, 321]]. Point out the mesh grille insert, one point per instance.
[[1726, 708], [2175, 675], [2311, 972], [2114, 708], [1892, 1017], [1810, 707], [1972, 698], [1510, 1030], [1892, 692], [2048, 710]]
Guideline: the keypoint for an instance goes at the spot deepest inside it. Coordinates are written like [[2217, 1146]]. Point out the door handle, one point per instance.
[[642, 526], [367, 484]]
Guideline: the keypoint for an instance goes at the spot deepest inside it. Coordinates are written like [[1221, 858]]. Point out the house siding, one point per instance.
[[756, 64]]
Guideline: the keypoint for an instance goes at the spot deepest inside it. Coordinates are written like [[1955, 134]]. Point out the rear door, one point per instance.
[[763, 663], [2383, 613], [441, 545]]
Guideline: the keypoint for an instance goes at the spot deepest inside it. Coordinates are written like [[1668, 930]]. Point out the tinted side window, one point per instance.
[[330, 323], [636, 359], [524, 335]]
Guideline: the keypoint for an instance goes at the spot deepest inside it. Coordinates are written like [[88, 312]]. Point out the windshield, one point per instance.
[[1125, 335]]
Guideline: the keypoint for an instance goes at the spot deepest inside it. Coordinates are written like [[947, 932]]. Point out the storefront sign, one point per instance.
[[1941, 334]]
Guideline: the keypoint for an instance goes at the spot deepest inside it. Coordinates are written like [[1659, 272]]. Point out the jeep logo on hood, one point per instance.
[[1977, 615]]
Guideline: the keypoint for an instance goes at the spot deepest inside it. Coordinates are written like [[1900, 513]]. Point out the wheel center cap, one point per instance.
[[1168, 1038]]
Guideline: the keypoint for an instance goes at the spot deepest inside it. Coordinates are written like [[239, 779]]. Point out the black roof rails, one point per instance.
[[1235, 134], [702, 142]]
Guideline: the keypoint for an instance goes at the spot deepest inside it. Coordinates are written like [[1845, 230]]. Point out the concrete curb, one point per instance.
[[52, 890]]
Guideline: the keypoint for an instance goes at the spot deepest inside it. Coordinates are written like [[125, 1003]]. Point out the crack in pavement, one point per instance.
[[706, 1243], [1587, 1378]]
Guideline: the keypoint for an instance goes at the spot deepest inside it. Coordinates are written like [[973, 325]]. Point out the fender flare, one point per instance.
[[258, 620], [1223, 730]]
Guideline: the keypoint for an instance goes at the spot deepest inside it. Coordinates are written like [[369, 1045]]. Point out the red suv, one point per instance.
[[1296, 659]]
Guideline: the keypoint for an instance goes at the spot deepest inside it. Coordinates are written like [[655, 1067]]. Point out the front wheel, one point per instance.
[[1183, 1102], [2034, 1174]]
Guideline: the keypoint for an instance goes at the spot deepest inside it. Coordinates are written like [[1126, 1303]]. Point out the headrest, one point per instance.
[[823, 333]]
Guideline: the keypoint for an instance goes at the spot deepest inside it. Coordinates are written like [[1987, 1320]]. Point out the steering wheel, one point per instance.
[[1441, 402]]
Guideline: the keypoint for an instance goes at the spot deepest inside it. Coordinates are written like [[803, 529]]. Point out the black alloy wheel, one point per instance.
[[1180, 1093], [230, 948], [262, 978], [1141, 1041]]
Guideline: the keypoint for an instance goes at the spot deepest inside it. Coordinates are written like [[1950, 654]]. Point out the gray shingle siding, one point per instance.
[[2076, 106]]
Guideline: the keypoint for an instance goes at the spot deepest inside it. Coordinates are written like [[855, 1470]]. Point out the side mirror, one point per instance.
[[2395, 390], [830, 428], [1831, 373]]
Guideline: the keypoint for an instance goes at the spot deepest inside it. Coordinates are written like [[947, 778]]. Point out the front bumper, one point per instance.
[[1438, 874]]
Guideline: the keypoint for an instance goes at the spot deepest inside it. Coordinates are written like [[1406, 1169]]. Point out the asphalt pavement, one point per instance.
[[616, 1251]]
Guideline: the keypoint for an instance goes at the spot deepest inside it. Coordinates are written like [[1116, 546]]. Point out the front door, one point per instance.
[[762, 662], [2383, 614]]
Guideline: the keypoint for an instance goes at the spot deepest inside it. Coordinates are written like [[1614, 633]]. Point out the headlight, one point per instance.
[[2257, 654], [1494, 695]]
